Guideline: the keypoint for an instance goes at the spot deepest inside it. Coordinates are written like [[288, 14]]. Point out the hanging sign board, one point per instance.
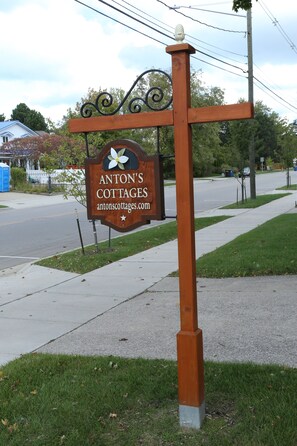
[[124, 186]]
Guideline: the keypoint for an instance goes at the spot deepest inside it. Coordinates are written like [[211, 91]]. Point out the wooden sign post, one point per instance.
[[189, 339]]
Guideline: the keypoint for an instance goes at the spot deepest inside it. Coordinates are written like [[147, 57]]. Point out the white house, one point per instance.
[[10, 130]]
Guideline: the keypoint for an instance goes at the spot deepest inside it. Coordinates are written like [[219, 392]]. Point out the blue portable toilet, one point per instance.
[[4, 177]]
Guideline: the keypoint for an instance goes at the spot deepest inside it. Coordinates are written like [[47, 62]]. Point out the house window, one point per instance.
[[4, 139]]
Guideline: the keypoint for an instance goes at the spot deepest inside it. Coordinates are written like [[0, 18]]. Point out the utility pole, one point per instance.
[[251, 100]]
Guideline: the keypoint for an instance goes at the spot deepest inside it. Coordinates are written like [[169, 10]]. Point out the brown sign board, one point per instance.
[[124, 186]]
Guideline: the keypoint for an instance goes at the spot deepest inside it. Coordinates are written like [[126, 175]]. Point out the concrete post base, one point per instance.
[[191, 417]]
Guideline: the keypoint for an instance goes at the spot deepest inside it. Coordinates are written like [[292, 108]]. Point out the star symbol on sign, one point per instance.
[[123, 217]]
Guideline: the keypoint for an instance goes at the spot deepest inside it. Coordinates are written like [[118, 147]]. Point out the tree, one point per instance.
[[266, 131], [206, 139], [20, 113], [269, 130], [99, 139], [242, 4], [36, 121], [65, 150], [145, 137], [287, 144], [2, 117], [31, 118]]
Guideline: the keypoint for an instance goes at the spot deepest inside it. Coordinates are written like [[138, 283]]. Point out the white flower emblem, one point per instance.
[[117, 159]]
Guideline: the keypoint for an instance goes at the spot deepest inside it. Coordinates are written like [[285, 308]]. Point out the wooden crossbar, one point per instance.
[[161, 118]]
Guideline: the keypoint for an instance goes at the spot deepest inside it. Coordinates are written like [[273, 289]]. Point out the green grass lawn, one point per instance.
[[122, 247], [56, 400], [269, 249], [291, 187], [254, 203], [49, 400]]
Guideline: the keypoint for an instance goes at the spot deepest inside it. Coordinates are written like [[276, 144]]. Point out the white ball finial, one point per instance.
[[179, 33]]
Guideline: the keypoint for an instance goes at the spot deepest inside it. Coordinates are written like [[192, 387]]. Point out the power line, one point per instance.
[[196, 58], [168, 36], [222, 61], [276, 23], [214, 46], [198, 21], [208, 10], [139, 15], [275, 94], [214, 52], [117, 21], [267, 80], [271, 96], [172, 29], [133, 18], [220, 68]]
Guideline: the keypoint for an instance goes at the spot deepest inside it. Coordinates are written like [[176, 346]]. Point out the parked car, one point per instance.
[[245, 172]]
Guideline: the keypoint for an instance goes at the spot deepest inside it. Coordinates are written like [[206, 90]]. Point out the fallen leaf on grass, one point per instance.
[[12, 428], [113, 415], [113, 365]]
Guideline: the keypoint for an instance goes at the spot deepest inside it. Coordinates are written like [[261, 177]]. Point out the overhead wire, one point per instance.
[[139, 15], [274, 98], [131, 17], [156, 40], [262, 85], [199, 21], [220, 68], [276, 23], [273, 92], [118, 21], [191, 38], [267, 80], [267, 88], [172, 29], [205, 54], [195, 8], [169, 36]]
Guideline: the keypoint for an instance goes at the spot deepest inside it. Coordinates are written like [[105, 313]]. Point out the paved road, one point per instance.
[[37, 227]]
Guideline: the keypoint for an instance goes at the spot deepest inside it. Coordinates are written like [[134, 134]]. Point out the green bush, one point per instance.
[[18, 176]]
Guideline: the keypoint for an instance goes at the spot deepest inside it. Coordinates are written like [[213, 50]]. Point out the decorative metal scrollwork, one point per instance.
[[154, 99]]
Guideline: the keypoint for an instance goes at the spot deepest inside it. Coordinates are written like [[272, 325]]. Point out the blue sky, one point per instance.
[[53, 51]]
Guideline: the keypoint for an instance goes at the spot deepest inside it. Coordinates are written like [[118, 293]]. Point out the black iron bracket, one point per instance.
[[154, 99]]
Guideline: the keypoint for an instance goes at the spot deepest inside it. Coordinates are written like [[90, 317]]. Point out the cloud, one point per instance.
[[53, 51], [57, 55]]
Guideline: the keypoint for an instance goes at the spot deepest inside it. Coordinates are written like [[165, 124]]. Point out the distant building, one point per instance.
[[10, 130]]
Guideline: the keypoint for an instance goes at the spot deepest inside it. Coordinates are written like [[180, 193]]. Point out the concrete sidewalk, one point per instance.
[[127, 307], [20, 200]]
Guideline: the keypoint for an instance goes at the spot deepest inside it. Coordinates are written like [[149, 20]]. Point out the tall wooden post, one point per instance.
[[189, 339]]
